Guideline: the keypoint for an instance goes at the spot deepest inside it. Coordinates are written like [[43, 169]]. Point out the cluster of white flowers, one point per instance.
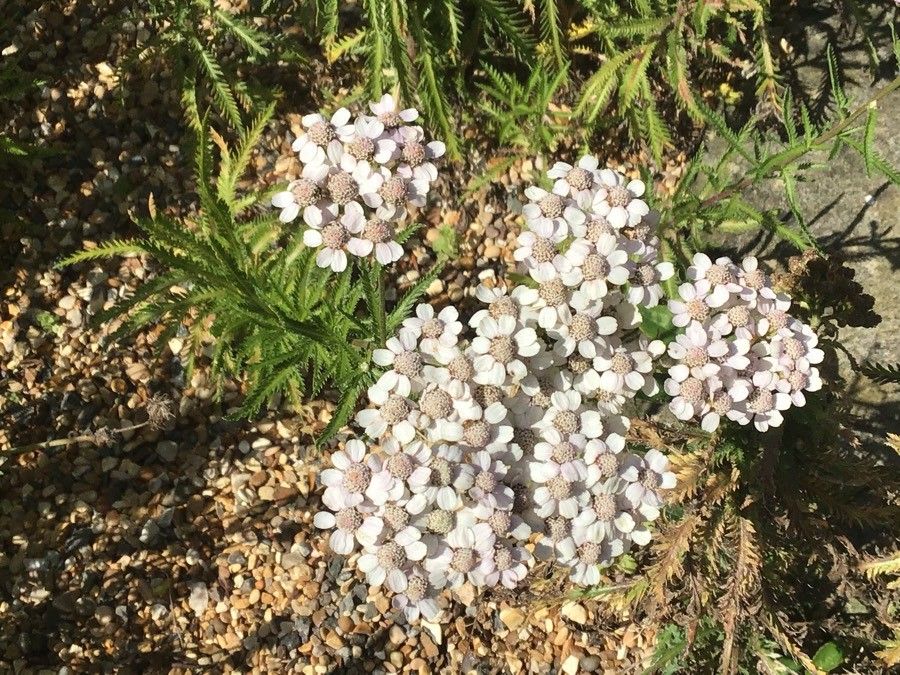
[[358, 178], [489, 452], [741, 355]]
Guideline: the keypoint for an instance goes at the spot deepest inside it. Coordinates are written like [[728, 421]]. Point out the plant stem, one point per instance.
[[379, 312], [61, 442], [826, 136]]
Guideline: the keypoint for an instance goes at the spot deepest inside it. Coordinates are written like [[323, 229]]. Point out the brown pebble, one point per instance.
[[334, 640]]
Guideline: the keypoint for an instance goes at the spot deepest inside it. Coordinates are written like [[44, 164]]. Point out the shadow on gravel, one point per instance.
[[93, 549]]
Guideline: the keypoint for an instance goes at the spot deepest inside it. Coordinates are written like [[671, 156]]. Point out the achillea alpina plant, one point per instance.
[[497, 440]]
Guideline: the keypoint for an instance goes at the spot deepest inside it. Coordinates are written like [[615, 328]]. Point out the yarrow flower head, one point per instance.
[[741, 356], [358, 180]]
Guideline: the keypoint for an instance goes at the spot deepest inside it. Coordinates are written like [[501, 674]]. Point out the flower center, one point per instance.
[[543, 250], [486, 481], [692, 391], [595, 266], [390, 119], [721, 402], [565, 452], [414, 153], [798, 380], [463, 560], [589, 553], [541, 400], [440, 472], [356, 477], [719, 275], [391, 555], [416, 589], [760, 401], [566, 421], [400, 466], [582, 327], [503, 559], [739, 316], [436, 403], [334, 236], [394, 190], [553, 292], [696, 357], [604, 396], [621, 364], [500, 522], [440, 521], [618, 195], [503, 306], [460, 368], [305, 192], [651, 480], [605, 507], [395, 409], [697, 310], [755, 279], [598, 227], [378, 231], [362, 148], [395, 516], [558, 528], [408, 363], [793, 347], [525, 439], [477, 433], [433, 328], [342, 187], [608, 465], [552, 205], [777, 319], [488, 394], [580, 179], [559, 488], [348, 519], [503, 349], [321, 133], [646, 274], [578, 364]]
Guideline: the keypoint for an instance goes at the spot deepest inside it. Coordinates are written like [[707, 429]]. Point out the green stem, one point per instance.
[[792, 156], [380, 310]]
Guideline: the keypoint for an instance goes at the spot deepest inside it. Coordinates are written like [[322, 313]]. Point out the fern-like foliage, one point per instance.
[[647, 64], [205, 46], [652, 51], [245, 282], [428, 47], [879, 566], [882, 373], [520, 114], [709, 200]]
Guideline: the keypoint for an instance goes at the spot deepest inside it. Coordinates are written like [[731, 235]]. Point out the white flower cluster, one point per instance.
[[358, 178], [511, 445], [741, 355]]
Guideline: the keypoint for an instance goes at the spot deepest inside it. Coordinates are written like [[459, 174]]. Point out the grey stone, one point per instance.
[[167, 450]]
